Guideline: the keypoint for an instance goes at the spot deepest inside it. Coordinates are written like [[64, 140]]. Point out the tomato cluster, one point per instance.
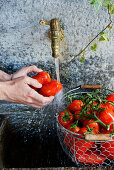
[[49, 88], [93, 115]]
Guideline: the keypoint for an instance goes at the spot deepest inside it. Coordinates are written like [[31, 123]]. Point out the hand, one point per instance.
[[24, 71], [4, 76], [19, 91]]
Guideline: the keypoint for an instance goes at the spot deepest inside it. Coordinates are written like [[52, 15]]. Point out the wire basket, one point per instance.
[[82, 151]]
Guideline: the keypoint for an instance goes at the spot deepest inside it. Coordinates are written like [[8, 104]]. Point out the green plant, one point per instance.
[[103, 35]]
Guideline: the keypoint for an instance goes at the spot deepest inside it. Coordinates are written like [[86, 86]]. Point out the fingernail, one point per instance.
[[40, 70], [39, 85]]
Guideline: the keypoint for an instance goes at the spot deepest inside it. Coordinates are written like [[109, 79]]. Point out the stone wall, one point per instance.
[[23, 41]]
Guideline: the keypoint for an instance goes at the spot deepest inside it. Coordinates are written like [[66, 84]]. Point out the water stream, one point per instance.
[[57, 68]]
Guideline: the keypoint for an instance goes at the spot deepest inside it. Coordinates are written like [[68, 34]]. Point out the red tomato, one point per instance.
[[65, 118], [76, 114], [81, 144], [106, 116], [68, 139], [110, 98], [51, 88], [107, 149], [42, 78], [75, 105], [72, 127], [83, 130], [93, 125], [105, 131], [91, 157]]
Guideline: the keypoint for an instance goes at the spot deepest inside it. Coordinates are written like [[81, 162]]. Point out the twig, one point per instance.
[[66, 65]]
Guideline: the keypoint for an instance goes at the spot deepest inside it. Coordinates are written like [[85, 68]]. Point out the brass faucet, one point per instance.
[[56, 35]]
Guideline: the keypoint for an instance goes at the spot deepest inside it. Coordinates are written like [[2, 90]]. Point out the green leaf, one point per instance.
[[106, 2], [111, 8], [94, 47], [66, 75], [71, 56], [104, 36], [101, 39], [83, 52], [96, 4], [66, 117], [82, 59]]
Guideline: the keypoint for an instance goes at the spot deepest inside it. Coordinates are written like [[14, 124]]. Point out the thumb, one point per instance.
[[33, 82], [33, 68]]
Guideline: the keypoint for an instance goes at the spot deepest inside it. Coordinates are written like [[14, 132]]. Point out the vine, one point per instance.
[[104, 33]]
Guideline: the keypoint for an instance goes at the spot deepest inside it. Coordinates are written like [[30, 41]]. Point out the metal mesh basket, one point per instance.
[[85, 152]]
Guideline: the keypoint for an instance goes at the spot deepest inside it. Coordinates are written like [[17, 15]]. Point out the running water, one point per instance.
[[57, 68], [58, 102]]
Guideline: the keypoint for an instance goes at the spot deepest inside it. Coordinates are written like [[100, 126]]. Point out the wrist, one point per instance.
[[4, 76], [11, 76], [3, 90]]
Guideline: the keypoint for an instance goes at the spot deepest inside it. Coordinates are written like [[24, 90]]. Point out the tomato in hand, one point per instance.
[[42, 78], [75, 105], [106, 116], [65, 118], [91, 124], [51, 88], [91, 157]]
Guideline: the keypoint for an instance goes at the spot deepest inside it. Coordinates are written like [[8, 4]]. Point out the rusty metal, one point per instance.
[[56, 35]]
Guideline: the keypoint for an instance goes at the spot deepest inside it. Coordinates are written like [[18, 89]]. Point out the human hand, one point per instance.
[[24, 71], [4, 76], [19, 91]]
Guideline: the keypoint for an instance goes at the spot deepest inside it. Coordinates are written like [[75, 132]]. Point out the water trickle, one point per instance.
[[57, 68]]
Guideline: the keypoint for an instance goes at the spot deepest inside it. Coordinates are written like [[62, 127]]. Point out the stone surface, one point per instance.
[[23, 41]]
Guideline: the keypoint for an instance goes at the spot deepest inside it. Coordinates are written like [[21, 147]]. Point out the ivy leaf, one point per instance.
[[71, 56], [106, 2], [104, 36], [101, 39], [82, 59], [111, 8], [96, 4], [94, 47], [66, 75]]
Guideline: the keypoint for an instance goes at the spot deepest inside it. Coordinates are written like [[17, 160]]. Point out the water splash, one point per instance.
[[57, 68], [28, 121]]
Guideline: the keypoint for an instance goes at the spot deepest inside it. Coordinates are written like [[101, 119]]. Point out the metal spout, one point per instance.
[[56, 35]]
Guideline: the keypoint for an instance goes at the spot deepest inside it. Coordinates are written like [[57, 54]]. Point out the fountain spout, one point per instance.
[[56, 35]]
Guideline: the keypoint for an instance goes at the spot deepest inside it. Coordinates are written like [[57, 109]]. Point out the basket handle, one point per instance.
[[98, 137], [91, 86]]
